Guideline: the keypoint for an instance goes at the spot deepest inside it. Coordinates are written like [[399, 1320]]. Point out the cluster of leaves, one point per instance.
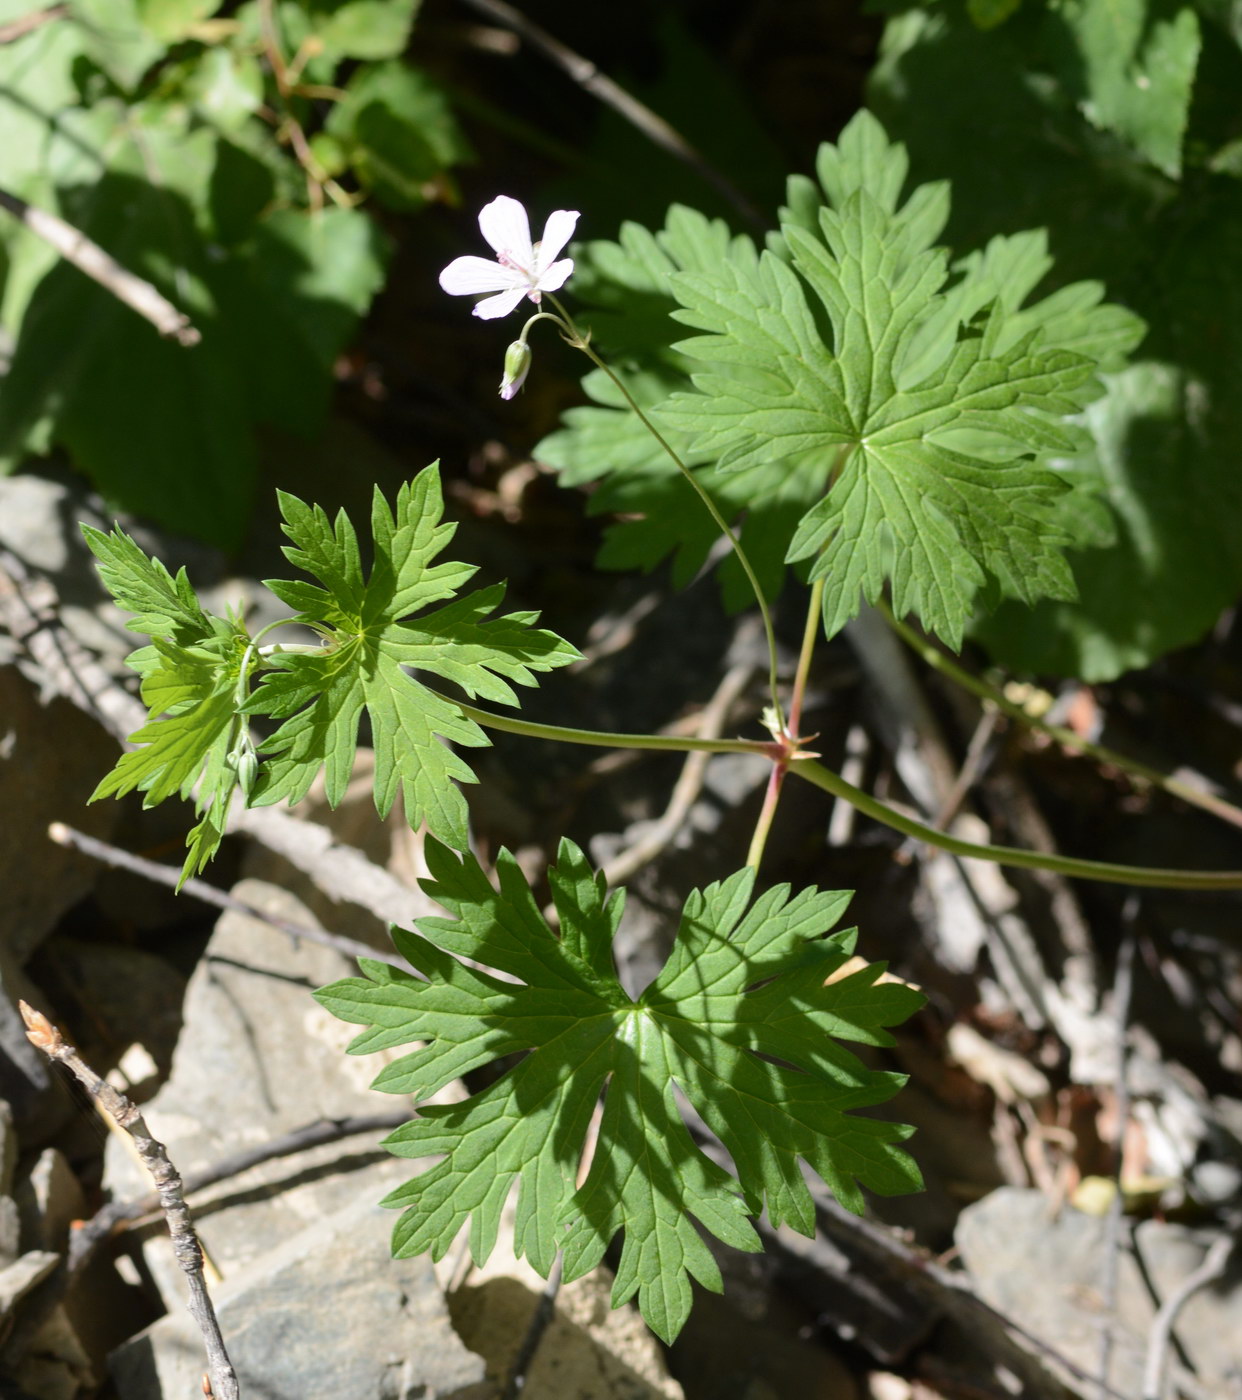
[[196, 672], [1115, 123], [743, 1021], [878, 415], [192, 146]]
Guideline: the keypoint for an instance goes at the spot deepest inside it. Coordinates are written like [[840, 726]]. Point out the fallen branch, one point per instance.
[[44, 1036], [110, 1218], [101, 267], [169, 875], [638, 114], [18, 28], [1162, 1328]]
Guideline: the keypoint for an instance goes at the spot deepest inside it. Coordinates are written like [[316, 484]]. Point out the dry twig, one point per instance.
[[1162, 1328], [101, 267], [118, 1214], [169, 875], [25, 24], [44, 1036], [638, 114]]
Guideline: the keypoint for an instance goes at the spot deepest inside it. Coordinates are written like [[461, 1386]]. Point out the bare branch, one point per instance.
[[638, 114], [169, 875], [1213, 1266], [90, 258], [118, 1214], [44, 1036], [25, 24]]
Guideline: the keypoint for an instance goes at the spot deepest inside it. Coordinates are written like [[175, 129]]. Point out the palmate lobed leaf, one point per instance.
[[742, 1021], [189, 675], [370, 636], [198, 744], [917, 419]]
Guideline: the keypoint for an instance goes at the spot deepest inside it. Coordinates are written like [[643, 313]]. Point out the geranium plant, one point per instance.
[[854, 404]]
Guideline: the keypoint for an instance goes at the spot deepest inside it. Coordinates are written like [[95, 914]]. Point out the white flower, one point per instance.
[[522, 268]]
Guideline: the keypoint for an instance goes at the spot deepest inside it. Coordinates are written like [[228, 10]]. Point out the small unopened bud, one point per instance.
[[517, 367]]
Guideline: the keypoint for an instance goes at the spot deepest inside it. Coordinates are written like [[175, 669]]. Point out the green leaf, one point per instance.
[[91, 375], [1169, 433], [370, 637], [938, 407], [1133, 62], [626, 287], [190, 677], [742, 1021], [400, 131], [367, 28]]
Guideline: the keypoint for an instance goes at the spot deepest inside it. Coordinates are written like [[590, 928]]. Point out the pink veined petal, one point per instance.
[[556, 233], [492, 307], [556, 276], [464, 276], [504, 224]]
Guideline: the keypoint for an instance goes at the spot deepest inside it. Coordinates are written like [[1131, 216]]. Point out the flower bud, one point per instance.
[[517, 367]]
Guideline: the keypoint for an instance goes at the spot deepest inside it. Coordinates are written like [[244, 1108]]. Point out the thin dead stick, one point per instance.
[[1212, 1268], [1123, 984], [26, 24], [117, 1214], [169, 875], [534, 1332], [90, 258], [689, 783], [638, 114], [44, 1036]]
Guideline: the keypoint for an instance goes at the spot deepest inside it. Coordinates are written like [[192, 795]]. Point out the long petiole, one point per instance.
[[936, 659], [582, 342], [605, 739], [1105, 871], [821, 777]]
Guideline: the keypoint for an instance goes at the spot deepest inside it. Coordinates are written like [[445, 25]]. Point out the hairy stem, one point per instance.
[[605, 739], [1106, 871], [818, 775]]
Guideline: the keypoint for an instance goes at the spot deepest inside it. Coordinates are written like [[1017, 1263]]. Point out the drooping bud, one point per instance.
[[517, 367]]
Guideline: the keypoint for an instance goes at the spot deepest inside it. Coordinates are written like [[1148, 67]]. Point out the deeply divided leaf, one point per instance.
[[916, 414], [744, 1022], [371, 642]]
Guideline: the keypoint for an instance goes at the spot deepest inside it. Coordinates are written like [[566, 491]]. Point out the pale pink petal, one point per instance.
[[505, 226], [556, 276], [464, 276], [556, 233], [491, 307]]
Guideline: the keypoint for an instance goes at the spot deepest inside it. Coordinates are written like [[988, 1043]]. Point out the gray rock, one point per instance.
[[21, 1276], [49, 1200], [258, 1057], [326, 1316], [1044, 1268], [51, 759]]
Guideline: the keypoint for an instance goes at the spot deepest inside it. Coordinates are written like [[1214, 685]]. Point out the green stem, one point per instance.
[[763, 825], [809, 636], [581, 342], [606, 739], [1106, 871], [936, 659], [821, 777]]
